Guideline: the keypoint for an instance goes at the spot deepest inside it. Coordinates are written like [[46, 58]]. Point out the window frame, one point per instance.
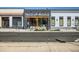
[[61, 21], [76, 24], [68, 21], [18, 22], [53, 20]]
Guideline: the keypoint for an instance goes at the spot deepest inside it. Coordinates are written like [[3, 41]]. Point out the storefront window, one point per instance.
[[53, 21], [17, 22], [61, 21], [76, 21], [68, 21]]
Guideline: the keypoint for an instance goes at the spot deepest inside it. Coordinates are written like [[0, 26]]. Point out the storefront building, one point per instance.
[[37, 18], [64, 19], [47, 18], [11, 18]]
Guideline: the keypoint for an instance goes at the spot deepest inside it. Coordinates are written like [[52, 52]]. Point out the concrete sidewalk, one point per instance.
[[28, 30], [39, 47]]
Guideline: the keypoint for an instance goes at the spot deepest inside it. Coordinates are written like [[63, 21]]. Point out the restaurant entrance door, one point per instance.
[[37, 22]]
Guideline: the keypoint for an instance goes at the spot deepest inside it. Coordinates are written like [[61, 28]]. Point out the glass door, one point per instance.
[[5, 22]]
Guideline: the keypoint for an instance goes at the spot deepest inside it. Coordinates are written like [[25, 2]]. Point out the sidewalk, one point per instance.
[[28, 30], [39, 47]]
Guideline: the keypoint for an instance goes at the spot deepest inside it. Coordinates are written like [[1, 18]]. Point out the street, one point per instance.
[[38, 36]]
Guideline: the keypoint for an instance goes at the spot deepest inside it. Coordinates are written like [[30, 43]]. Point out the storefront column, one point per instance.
[[22, 21], [37, 22], [65, 21], [0, 22], [72, 21], [10, 21], [57, 21], [49, 21]]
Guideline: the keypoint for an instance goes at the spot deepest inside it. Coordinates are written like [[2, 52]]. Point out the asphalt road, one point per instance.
[[38, 36]]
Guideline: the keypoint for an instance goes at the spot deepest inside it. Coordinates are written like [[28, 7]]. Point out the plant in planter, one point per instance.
[[54, 30]]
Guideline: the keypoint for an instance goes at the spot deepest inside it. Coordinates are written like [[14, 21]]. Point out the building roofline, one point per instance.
[[43, 8]]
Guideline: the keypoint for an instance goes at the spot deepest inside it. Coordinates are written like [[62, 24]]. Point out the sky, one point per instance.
[[39, 3]]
